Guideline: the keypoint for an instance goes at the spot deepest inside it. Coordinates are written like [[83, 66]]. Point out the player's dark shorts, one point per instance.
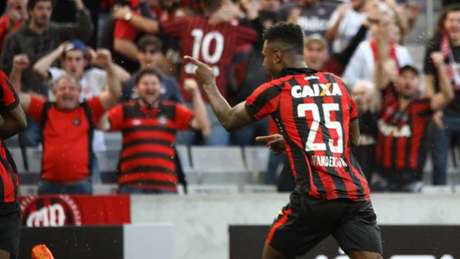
[[10, 228], [306, 221]]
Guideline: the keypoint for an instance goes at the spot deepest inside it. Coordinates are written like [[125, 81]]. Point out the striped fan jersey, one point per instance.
[[147, 156], [213, 44], [400, 133]]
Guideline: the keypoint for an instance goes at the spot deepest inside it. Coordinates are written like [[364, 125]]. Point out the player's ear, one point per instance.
[[277, 57]]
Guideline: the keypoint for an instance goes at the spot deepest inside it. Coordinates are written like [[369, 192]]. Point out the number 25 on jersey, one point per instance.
[[327, 108]]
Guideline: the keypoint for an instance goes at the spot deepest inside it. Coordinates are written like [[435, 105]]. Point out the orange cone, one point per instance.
[[41, 251]]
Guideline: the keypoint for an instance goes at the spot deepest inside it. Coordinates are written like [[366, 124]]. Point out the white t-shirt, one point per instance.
[[348, 27], [93, 82], [362, 63]]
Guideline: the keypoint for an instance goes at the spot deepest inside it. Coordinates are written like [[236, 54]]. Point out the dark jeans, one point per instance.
[[441, 140], [83, 187]]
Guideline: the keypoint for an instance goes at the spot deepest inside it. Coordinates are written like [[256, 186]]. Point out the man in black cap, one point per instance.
[[403, 121]]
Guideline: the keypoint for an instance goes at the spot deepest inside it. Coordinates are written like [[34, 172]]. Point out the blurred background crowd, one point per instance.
[[408, 95]]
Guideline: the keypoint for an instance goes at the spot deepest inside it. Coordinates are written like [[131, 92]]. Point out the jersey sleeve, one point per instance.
[[9, 98], [36, 107], [263, 101], [353, 109], [183, 117], [124, 30], [115, 116], [96, 107]]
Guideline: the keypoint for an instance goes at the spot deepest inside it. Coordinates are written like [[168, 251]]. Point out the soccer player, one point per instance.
[[317, 117], [12, 120]]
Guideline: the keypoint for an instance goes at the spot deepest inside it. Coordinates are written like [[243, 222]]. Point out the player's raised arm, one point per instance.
[[230, 117]]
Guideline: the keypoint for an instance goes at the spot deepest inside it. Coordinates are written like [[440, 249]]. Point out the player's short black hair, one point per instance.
[[288, 34], [31, 3], [147, 71]]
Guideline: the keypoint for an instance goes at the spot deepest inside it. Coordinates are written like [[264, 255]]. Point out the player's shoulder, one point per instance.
[[274, 84], [330, 76]]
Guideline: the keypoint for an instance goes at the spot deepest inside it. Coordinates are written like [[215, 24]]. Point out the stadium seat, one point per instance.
[[18, 159], [34, 159], [219, 165], [256, 158], [183, 153], [108, 164]]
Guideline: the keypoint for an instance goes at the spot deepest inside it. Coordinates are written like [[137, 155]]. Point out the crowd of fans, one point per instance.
[[126, 55]]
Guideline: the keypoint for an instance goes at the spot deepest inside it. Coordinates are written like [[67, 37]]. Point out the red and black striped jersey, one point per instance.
[[147, 156], [313, 111], [401, 132], [213, 44], [9, 180]]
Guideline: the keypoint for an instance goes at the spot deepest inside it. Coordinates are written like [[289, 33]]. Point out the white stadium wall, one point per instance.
[[201, 222]]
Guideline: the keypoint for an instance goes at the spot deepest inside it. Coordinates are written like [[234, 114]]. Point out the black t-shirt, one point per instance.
[[368, 123], [429, 69]]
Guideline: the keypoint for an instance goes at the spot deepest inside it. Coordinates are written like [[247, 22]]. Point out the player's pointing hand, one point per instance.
[[203, 72]]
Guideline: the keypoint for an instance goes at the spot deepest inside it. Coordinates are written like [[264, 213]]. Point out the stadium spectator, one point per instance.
[[77, 60], [348, 17], [312, 15], [210, 38], [345, 22], [12, 120], [39, 36], [447, 41], [149, 126], [132, 19], [364, 94], [317, 56], [13, 17], [362, 63], [150, 56], [403, 119], [67, 126], [328, 181]]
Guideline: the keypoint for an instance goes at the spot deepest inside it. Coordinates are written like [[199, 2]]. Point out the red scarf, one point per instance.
[[391, 52], [447, 52]]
